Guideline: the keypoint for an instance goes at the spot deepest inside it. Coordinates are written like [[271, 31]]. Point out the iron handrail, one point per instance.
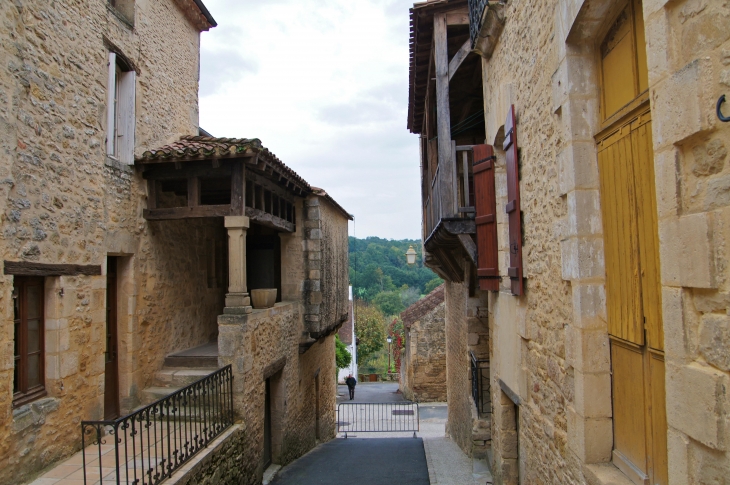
[[480, 384], [154, 441]]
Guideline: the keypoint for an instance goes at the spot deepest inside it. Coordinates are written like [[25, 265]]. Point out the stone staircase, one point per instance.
[[181, 369]]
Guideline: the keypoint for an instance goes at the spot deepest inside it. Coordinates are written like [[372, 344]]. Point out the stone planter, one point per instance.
[[263, 298]]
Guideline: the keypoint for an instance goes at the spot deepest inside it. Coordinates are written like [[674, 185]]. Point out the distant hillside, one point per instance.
[[379, 273]]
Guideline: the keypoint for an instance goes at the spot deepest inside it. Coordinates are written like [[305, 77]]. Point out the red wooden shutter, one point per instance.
[[486, 218], [513, 204]]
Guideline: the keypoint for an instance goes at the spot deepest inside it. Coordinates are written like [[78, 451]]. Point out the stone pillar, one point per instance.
[[237, 299]]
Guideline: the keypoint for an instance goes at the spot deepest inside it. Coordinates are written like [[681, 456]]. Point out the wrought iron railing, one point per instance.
[[376, 417], [476, 9], [480, 385], [147, 446]]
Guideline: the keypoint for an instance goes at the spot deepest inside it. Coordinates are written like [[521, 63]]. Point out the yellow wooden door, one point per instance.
[[633, 299]]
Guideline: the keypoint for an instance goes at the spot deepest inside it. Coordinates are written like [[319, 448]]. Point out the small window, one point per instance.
[[120, 110], [28, 375], [124, 8]]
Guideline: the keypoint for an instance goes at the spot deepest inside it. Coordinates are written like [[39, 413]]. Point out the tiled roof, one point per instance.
[[197, 13], [191, 148], [423, 306], [420, 54], [322, 193]]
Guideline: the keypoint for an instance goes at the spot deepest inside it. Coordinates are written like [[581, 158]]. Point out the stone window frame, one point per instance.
[[579, 24], [120, 116]]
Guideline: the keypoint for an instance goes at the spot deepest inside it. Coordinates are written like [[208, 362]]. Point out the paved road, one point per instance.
[[371, 392], [357, 461]]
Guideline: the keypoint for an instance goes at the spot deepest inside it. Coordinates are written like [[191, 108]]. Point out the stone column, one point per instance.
[[237, 299]]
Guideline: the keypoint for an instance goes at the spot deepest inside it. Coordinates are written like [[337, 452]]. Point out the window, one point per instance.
[[124, 9], [120, 110], [28, 376]]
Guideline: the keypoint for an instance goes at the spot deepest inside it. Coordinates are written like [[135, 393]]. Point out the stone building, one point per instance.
[[118, 255], [423, 363], [598, 178]]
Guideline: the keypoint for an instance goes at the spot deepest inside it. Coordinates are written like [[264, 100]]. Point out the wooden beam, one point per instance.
[[201, 171], [459, 57], [238, 190], [269, 220], [457, 18], [469, 246], [152, 194], [270, 185], [447, 166], [26, 268], [175, 213], [193, 191]]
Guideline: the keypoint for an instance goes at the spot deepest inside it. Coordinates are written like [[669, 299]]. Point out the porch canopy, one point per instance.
[[202, 176]]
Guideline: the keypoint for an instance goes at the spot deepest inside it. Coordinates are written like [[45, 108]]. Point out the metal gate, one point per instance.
[[374, 417]]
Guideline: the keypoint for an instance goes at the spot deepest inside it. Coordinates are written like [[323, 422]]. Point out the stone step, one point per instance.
[[192, 361], [180, 377], [152, 394]]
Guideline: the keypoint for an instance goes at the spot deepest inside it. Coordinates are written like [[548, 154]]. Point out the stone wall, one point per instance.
[[63, 200], [550, 355], [219, 463], [423, 364], [326, 290], [265, 344]]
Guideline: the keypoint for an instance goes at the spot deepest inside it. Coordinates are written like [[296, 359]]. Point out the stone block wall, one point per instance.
[[326, 288], [550, 347], [423, 365], [63, 200], [265, 344]]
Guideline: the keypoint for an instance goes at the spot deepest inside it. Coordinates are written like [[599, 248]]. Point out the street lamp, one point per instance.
[[390, 339], [411, 255]]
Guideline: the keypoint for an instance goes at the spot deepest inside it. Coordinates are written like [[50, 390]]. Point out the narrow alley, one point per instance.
[[387, 457]]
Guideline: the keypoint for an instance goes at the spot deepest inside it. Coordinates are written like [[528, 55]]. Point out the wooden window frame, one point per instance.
[[24, 394]]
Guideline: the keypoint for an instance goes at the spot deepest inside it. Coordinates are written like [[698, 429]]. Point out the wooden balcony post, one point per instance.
[[237, 297], [446, 162]]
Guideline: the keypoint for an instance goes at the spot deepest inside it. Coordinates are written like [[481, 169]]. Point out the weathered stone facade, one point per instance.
[[423, 362], [277, 345], [553, 419], [65, 201]]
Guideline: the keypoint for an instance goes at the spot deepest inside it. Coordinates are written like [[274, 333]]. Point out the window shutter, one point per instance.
[[486, 218], [111, 91], [127, 84], [513, 204]]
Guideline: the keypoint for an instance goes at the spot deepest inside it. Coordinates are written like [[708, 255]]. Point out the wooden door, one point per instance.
[[111, 356], [267, 424], [633, 299]]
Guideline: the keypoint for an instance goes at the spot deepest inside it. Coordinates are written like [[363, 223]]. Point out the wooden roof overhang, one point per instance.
[[421, 46], [449, 245], [221, 177]]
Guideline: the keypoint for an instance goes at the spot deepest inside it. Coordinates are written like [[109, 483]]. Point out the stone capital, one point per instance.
[[233, 222]]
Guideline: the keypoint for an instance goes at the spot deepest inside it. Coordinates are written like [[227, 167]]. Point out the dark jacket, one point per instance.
[[351, 382]]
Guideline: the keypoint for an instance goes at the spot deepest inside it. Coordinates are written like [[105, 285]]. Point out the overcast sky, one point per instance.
[[324, 85]]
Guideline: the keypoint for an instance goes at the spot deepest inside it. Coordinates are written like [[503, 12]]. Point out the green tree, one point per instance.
[[389, 302], [369, 329], [342, 355], [431, 285]]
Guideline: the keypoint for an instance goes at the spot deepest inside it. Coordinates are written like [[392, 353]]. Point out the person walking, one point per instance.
[[351, 383]]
